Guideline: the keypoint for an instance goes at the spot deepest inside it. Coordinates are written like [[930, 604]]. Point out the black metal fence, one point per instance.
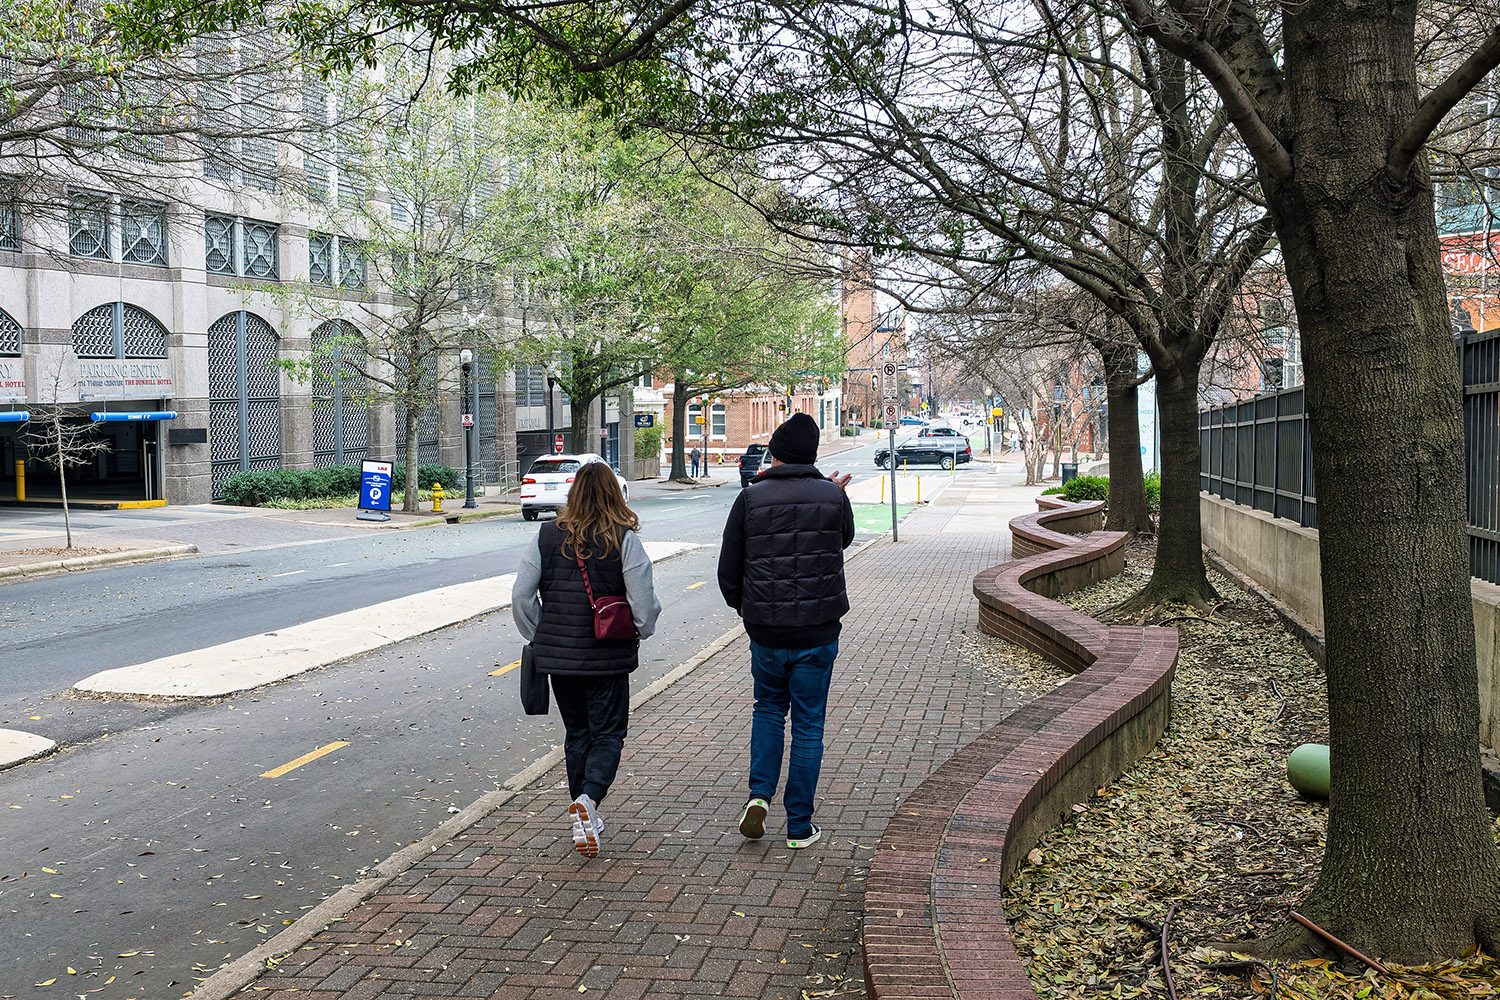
[[1258, 453], [1479, 360]]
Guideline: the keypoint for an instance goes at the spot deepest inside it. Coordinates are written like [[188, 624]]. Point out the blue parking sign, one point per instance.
[[375, 485]]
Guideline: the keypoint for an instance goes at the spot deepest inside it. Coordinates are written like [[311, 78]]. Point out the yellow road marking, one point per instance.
[[505, 669], [695, 586], [306, 758]]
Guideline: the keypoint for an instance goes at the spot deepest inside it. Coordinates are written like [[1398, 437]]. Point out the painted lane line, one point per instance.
[[505, 669], [242, 664], [336, 565], [306, 758], [695, 586], [292, 572]]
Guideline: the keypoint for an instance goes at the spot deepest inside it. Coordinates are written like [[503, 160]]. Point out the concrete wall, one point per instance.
[[1281, 557]]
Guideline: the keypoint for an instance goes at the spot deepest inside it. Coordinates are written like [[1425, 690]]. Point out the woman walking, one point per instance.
[[590, 551]]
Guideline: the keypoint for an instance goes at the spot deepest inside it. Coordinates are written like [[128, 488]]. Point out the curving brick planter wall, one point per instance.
[[934, 918]]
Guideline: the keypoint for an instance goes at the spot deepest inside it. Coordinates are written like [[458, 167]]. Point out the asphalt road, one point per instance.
[[153, 848]]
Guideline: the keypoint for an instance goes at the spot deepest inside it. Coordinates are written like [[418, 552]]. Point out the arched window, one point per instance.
[[244, 388], [119, 330], [341, 423]]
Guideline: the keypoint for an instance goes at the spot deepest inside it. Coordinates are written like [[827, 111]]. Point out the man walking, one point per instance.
[[782, 569], [694, 456]]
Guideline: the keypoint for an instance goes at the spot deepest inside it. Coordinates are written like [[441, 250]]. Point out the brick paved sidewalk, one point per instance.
[[678, 904]]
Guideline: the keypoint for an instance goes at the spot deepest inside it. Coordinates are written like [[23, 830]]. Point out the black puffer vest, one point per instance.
[[565, 642], [794, 549]]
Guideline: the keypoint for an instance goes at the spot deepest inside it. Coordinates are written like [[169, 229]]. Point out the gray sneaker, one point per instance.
[[753, 819], [806, 840]]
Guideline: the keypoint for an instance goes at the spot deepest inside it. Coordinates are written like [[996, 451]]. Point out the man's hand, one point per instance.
[[843, 480]]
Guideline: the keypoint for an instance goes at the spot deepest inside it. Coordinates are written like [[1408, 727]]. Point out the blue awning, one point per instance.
[[14, 417], [143, 415]]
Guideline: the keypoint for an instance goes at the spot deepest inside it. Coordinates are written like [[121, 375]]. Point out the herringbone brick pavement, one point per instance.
[[678, 904]]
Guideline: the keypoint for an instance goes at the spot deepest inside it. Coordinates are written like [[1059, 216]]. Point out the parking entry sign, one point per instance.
[[375, 485]]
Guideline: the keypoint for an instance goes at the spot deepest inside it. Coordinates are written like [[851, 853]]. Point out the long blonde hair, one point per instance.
[[595, 513]]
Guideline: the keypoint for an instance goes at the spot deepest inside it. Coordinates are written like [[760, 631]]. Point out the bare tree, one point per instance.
[[58, 442]]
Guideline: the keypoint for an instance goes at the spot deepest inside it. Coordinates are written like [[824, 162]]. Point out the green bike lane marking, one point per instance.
[[875, 519]]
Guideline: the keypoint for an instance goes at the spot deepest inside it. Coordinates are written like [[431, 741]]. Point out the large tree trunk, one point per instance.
[[1127, 489], [409, 502], [581, 424], [1178, 576], [1411, 869], [679, 427]]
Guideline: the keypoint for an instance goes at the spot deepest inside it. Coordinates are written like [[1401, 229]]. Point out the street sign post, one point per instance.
[[374, 491], [557, 444]]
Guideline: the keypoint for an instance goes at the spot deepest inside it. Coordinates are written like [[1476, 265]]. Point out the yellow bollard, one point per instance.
[[882, 489], [919, 488], [20, 479], [438, 496]]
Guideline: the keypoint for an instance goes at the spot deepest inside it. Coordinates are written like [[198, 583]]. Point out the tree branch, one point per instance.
[[1174, 34], [1438, 102]]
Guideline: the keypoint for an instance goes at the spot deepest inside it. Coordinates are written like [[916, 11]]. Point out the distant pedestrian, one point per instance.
[[553, 606], [782, 569], [696, 457]]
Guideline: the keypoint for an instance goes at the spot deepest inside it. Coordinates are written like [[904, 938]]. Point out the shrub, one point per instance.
[[647, 442], [287, 487], [1052, 491], [1153, 492], [1082, 488], [1097, 488]]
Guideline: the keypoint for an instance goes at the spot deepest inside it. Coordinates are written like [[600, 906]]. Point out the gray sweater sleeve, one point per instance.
[[644, 607], [525, 594]]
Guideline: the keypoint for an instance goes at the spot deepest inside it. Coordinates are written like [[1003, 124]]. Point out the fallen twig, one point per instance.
[[1166, 955], [1234, 822], [1191, 618], [1350, 949], [1239, 965], [1276, 690], [1150, 927]]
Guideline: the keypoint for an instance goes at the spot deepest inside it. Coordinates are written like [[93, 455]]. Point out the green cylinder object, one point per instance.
[[1307, 770]]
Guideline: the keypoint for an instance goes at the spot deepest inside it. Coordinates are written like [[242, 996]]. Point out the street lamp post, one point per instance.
[[466, 363]]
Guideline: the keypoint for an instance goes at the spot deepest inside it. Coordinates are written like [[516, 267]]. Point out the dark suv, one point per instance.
[[943, 451], [755, 458]]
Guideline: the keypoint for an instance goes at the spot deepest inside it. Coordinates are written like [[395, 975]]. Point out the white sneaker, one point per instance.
[[586, 826]]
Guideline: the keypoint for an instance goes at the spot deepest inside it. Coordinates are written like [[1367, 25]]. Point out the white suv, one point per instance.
[[545, 485]]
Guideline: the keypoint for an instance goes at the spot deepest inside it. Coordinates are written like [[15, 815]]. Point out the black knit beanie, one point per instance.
[[796, 441]]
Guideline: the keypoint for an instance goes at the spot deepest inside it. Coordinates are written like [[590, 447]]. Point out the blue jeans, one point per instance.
[[794, 680]]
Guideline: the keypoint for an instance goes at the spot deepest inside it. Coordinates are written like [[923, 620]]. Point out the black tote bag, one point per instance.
[[534, 700]]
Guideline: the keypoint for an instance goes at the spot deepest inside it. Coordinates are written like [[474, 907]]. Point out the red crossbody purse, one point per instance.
[[612, 617]]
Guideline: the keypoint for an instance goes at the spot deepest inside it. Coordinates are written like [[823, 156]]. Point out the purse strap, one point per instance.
[[587, 588]]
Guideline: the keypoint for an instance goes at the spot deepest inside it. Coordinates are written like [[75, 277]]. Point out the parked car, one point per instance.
[[938, 432], [943, 451], [913, 422], [755, 458], [545, 485]]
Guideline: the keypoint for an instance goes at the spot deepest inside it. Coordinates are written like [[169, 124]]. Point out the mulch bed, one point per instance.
[[1205, 828]]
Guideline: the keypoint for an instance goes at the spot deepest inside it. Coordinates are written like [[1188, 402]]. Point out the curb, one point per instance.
[[23, 746], [244, 970], [90, 562]]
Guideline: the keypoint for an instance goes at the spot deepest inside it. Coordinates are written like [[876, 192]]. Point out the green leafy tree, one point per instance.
[[424, 231]]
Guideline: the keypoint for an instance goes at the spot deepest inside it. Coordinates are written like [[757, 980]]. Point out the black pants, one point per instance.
[[595, 712]]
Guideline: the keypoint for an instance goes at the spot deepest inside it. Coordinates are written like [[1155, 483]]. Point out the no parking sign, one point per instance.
[[374, 485]]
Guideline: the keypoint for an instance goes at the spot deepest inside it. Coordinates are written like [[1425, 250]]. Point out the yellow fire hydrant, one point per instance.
[[438, 496]]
